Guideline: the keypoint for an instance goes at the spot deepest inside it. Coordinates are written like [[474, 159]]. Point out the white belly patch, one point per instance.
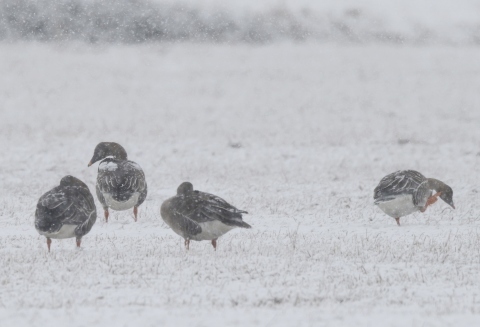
[[398, 207], [119, 206], [212, 230], [67, 231]]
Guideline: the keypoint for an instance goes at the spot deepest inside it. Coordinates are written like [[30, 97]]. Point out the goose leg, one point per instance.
[[187, 243], [79, 241], [214, 244], [398, 221], [49, 241], [106, 215], [135, 211]]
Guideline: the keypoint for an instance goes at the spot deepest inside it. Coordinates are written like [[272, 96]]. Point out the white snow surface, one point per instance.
[[297, 135]]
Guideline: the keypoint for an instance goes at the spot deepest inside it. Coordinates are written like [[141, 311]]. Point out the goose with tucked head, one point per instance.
[[199, 216], [407, 191], [121, 183], [66, 211]]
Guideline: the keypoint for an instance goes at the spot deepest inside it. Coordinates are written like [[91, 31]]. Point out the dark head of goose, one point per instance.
[[446, 192], [447, 196], [185, 188], [108, 149]]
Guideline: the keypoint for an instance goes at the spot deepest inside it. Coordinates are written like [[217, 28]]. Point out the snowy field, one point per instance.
[[298, 135]]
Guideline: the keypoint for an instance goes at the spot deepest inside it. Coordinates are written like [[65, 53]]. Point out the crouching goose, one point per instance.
[[66, 211], [406, 191], [199, 216], [121, 183]]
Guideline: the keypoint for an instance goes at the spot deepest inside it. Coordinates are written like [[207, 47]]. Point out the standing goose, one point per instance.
[[199, 216], [121, 183], [406, 191], [66, 211]]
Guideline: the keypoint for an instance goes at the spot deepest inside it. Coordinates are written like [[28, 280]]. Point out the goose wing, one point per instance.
[[121, 179], [398, 183], [203, 207]]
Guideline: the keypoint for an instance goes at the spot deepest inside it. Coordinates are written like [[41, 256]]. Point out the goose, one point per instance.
[[407, 191], [121, 183], [199, 216], [68, 210]]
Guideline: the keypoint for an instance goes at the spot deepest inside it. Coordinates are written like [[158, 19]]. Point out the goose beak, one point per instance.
[[89, 164], [453, 206]]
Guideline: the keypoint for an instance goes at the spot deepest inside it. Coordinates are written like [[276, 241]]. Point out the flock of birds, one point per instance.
[[68, 210]]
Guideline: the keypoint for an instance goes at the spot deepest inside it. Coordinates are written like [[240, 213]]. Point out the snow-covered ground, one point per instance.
[[318, 126]]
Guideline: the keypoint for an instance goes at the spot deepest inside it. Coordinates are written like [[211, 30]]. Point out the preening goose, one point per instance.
[[407, 191], [66, 211], [199, 216]]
